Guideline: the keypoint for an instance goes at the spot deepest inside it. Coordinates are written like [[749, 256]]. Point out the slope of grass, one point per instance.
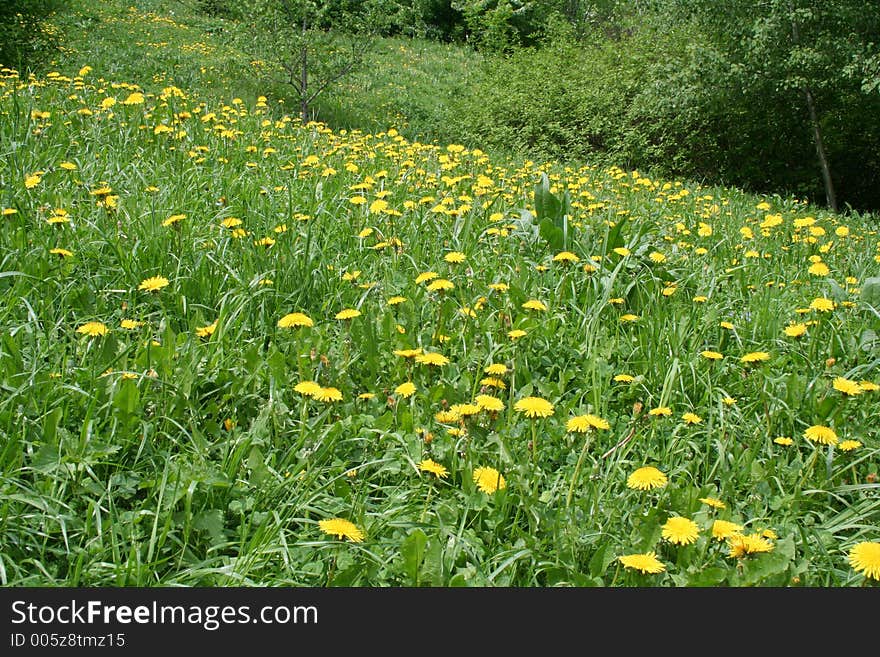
[[223, 329]]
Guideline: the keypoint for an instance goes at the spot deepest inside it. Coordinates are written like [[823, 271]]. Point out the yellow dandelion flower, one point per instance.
[[847, 387], [515, 334], [465, 410], [821, 304], [153, 284], [680, 531], [657, 257], [819, 269], [173, 219], [864, 558], [307, 388], [587, 422], [691, 418], [348, 313], [795, 330], [724, 529], [820, 434], [426, 276], [206, 331], [496, 369], [726, 325], [565, 256], [665, 411], [440, 285], [646, 478], [629, 317], [489, 403], [849, 445], [341, 528], [447, 417], [489, 480], [624, 378], [741, 545], [454, 257], [393, 301], [405, 390], [327, 394], [130, 324], [622, 251], [785, 441], [64, 253], [432, 358], [755, 357], [434, 468], [295, 320], [713, 502], [93, 329], [646, 563], [534, 407], [534, 304], [711, 355], [869, 386]]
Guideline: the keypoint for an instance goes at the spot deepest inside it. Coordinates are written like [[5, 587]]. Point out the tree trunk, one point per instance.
[[304, 73], [820, 151]]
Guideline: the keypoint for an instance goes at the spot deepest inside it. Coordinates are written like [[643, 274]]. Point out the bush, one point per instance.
[[25, 39]]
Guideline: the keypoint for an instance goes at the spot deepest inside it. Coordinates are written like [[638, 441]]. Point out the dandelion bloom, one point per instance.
[[822, 435], [307, 388], [440, 285], [327, 394], [93, 329], [426, 276], [393, 301], [454, 257], [515, 334], [130, 324], [660, 410], [496, 369], [153, 284], [847, 387], [405, 389], [348, 313], [726, 325], [822, 304], [691, 418], [711, 355], [489, 480], [849, 445], [434, 468], [447, 417], [565, 256], [724, 529], [432, 359], [493, 382], [680, 531], [622, 251], [864, 557], [624, 378], [341, 528], [783, 440], [755, 357], [534, 407], [294, 320], [534, 304], [795, 330], [819, 269], [173, 219], [644, 563], [206, 331], [465, 410], [64, 253], [584, 423], [713, 502], [629, 317], [646, 478], [489, 403], [741, 545]]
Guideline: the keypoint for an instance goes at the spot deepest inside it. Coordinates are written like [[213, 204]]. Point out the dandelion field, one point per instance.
[[240, 350]]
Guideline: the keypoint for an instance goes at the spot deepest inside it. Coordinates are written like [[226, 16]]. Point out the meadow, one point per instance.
[[242, 350]]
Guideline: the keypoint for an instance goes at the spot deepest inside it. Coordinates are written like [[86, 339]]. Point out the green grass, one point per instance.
[[169, 453]]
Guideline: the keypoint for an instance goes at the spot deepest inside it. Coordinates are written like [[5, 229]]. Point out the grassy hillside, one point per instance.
[[240, 350]]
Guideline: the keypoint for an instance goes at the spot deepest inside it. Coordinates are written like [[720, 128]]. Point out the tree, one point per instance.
[[782, 49], [313, 43]]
